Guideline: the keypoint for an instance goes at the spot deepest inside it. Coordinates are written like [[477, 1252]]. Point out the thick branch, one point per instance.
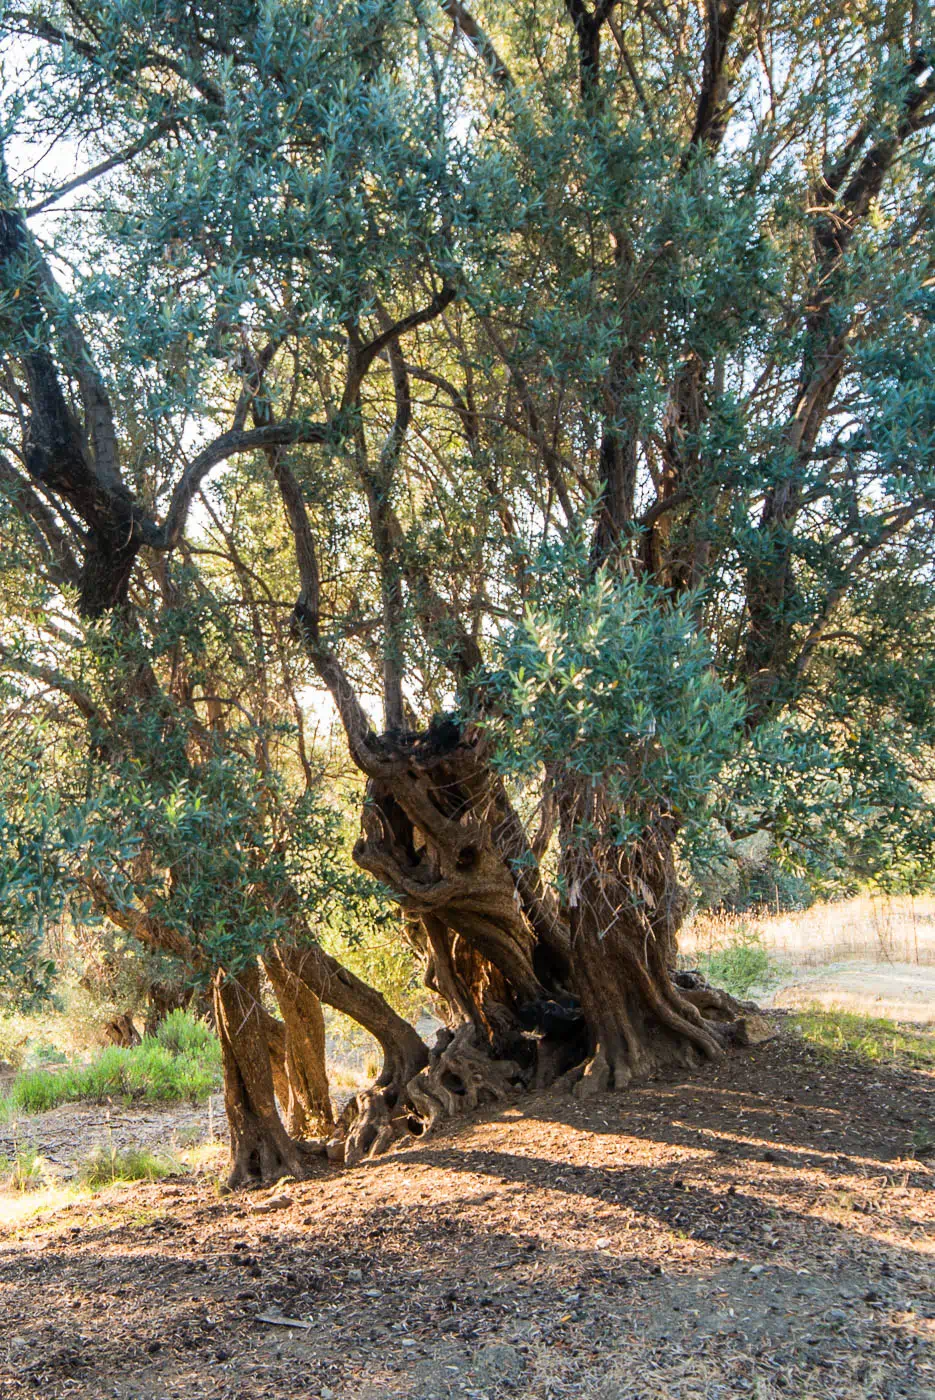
[[711, 112], [479, 41], [227, 445]]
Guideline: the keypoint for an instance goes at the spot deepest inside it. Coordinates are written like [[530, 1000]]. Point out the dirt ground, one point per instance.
[[897, 991], [763, 1229]]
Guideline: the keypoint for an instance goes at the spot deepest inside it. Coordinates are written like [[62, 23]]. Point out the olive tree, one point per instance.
[[588, 354]]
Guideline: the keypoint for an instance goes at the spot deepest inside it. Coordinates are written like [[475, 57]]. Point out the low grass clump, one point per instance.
[[25, 1171], [870, 1038], [107, 1166], [182, 1061]]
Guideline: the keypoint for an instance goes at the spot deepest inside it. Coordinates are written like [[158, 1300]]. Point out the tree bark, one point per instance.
[[121, 1031], [306, 1099], [438, 829], [261, 1148], [380, 1112], [624, 909]]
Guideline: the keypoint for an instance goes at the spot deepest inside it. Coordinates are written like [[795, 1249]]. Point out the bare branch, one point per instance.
[[64, 567], [362, 356], [102, 168], [835, 596], [227, 445], [479, 41], [55, 680]]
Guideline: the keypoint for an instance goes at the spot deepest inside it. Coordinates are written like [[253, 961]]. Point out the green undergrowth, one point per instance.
[[107, 1167], [28, 1173], [24, 1171], [738, 965], [182, 1061], [868, 1038]]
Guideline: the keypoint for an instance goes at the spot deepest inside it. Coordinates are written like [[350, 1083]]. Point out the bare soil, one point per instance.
[[897, 991], [765, 1229]]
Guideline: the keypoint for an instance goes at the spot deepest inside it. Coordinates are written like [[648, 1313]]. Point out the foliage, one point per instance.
[[181, 1033], [610, 685], [193, 839], [867, 1037], [739, 965], [186, 1065]]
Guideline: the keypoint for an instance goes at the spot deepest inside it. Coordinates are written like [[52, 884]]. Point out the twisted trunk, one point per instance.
[[624, 910], [379, 1115], [304, 1096], [437, 828]]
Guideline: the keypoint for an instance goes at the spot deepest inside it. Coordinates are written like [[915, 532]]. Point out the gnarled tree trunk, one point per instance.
[[624, 908], [381, 1111], [438, 830], [530, 994]]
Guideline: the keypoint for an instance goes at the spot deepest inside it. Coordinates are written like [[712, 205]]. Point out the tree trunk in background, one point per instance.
[[261, 1148], [307, 1101], [164, 998], [121, 1031]]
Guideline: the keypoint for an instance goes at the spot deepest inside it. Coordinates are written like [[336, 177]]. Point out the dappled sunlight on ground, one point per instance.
[[763, 1229]]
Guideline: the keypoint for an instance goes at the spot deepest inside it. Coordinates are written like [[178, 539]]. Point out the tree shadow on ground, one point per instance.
[[760, 1237]]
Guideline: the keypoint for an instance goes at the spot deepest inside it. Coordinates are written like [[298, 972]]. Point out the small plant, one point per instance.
[[923, 1140], [25, 1171], [111, 1164], [181, 1033], [739, 965]]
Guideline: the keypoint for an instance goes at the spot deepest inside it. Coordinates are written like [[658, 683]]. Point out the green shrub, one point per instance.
[[182, 1033], [36, 1090], [107, 1166], [41, 1054], [739, 966]]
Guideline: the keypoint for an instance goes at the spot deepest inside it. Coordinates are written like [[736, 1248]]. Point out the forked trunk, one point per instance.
[[404, 1051], [305, 1097], [378, 1115], [261, 1148]]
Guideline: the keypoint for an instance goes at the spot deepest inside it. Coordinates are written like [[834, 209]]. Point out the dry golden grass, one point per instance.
[[867, 928]]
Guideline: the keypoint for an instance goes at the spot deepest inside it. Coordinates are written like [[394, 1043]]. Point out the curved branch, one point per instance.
[[285, 434], [362, 356]]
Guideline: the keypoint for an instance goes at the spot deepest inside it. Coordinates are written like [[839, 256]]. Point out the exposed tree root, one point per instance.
[[459, 1077]]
